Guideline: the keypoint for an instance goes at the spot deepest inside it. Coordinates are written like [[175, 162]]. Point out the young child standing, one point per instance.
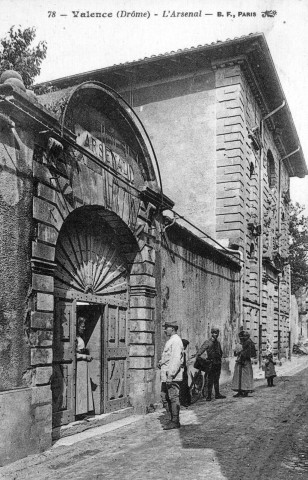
[[270, 372]]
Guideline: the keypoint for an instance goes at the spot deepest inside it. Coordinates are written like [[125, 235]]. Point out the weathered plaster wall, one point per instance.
[[179, 116], [199, 289], [25, 419], [15, 271], [25, 413]]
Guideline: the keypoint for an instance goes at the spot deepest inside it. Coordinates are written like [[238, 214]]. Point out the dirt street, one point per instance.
[[262, 437]]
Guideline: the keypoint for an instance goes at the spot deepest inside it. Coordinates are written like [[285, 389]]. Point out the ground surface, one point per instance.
[[262, 437]]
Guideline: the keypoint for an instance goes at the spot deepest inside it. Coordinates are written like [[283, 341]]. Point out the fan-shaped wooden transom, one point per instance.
[[88, 260]]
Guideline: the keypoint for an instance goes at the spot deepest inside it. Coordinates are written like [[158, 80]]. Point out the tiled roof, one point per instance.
[[161, 56], [186, 50]]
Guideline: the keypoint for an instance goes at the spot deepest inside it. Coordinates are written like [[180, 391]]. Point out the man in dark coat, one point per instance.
[[242, 381], [213, 350]]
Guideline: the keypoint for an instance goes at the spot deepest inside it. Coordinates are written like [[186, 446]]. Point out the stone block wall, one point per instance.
[[238, 197], [230, 152]]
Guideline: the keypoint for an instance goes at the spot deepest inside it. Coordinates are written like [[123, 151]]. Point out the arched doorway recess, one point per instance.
[[98, 171], [91, 280]]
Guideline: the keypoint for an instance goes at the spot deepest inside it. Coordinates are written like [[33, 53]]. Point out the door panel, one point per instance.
[[115, 358], [63, 377], [92, 337]]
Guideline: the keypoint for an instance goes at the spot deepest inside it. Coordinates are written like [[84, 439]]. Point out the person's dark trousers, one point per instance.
[[170, 395], [213, 379], [165, 399], [269, 382], [185, 398]]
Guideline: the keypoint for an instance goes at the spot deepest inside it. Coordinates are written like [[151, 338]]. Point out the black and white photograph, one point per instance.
[[153, 240]]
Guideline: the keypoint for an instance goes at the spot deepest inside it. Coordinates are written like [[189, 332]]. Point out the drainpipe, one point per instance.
[[292, 153], [260, 242], [260, 253], [279, 251], [278, 321]]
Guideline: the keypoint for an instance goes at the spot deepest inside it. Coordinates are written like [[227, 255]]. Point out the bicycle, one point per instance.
[[198, 386]]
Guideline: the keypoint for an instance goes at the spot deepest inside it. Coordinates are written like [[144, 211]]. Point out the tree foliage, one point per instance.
[[298, 251], [17, 53]]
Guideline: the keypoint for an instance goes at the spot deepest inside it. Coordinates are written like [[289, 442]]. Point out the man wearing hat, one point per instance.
[[213, 350], [171, 374], [242, 381]]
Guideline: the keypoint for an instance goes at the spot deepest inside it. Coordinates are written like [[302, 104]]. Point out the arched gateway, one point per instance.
[[91, 280], [97, 191]]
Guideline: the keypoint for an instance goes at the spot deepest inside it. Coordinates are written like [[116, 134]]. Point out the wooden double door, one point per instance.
[[106, 341], [90, 281]]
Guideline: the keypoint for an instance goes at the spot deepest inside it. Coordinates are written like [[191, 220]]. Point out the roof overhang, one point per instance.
[[257, 63]]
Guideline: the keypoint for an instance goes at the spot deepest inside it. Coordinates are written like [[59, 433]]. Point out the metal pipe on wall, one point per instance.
[[260, 242], [260, 253], [279, 251]]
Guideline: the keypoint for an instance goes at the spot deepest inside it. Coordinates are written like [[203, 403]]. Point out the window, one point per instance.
[[271, 172], [252, 250]]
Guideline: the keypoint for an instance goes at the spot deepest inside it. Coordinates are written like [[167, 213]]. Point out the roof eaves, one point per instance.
[[254, 40], [152, 59]]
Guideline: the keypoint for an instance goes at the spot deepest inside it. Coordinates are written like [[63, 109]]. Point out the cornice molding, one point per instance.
[[250, 77], [252, 81]]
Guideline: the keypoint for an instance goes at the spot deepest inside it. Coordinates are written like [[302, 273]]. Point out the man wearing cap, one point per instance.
[[171, 374], [242, 381], [213, 350]]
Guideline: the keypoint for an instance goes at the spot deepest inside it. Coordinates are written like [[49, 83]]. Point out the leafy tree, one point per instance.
[[298, 227], [17, 53]]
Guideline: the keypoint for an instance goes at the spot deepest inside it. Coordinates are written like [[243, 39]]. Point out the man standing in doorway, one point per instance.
[[213, 350], [172, 374]]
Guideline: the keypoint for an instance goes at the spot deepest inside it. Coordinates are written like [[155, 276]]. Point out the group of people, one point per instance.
[[173, 366], [174, 378], [174, 372]]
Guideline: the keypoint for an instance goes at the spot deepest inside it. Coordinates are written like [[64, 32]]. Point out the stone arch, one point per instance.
[[94, 258], [69, 181], [72, 103]]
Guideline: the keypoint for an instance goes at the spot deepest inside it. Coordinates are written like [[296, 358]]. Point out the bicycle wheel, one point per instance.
[[196, 387], [205, 385]]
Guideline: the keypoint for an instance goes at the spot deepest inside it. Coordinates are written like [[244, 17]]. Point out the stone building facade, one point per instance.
[[83, 234], [88, 171], [77, 239], [223, 132]]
